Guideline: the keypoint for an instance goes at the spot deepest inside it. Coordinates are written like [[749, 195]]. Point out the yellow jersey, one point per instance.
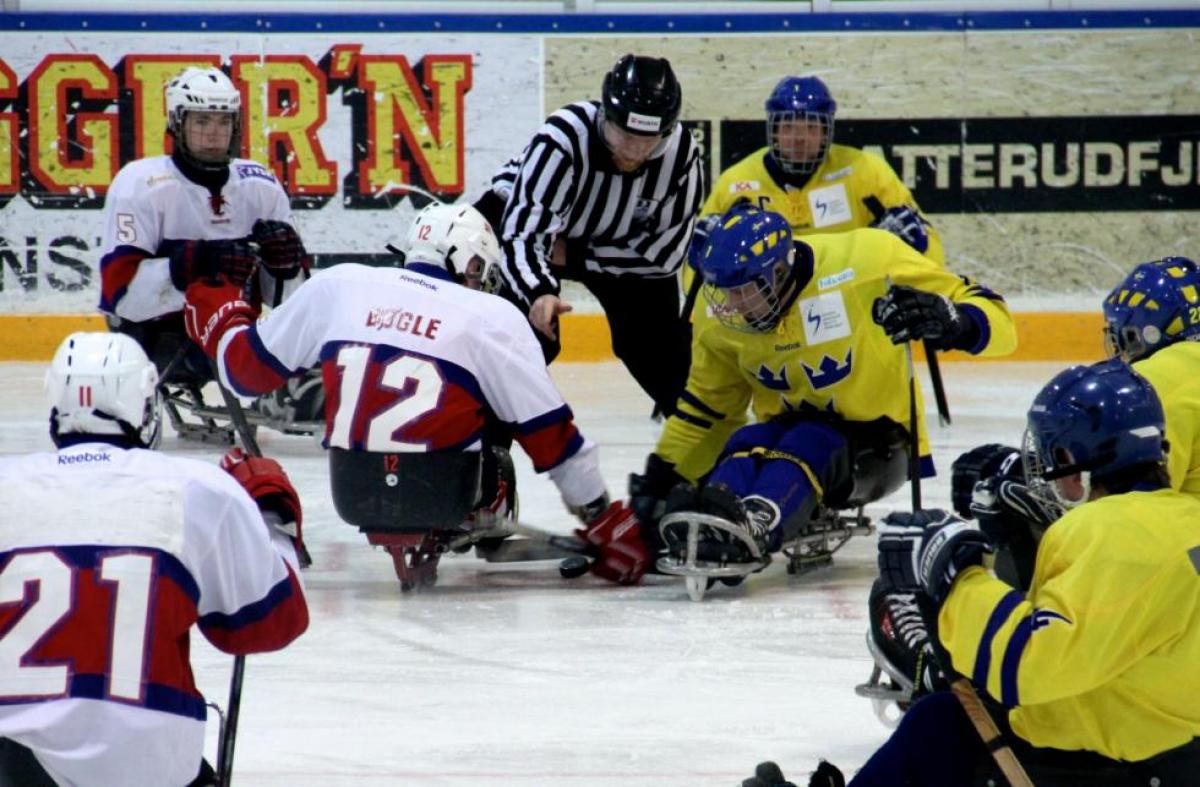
[[1174, 372], [826, 352], [843, 194], [1102, 653]]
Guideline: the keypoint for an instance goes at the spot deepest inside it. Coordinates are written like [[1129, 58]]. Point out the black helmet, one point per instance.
[[642, 95]]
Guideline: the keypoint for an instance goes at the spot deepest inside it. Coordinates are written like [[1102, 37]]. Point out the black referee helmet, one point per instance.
[[642, 95]]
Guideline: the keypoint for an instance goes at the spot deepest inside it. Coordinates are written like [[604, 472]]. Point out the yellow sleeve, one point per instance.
[[711, 407], [892, 193], [718, 198], [1085, 621], [997, 329]]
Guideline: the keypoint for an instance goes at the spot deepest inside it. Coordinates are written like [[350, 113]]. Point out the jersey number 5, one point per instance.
[[51, 583]]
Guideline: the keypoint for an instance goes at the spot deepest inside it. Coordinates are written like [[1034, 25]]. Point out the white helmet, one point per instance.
[[203, 90], [451, 237], [103, 384]]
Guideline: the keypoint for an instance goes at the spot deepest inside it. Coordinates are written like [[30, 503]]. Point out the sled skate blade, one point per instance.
[[888, 689], [414, 556], [699, 572], [825, 535]]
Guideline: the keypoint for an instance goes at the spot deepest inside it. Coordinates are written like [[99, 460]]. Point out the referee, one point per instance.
[[606, 194]]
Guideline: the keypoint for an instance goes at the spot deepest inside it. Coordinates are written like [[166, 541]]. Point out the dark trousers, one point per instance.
[[936, 746], [643, 321]]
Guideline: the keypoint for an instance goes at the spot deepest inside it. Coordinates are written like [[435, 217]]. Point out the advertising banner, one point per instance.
[[345, 123]]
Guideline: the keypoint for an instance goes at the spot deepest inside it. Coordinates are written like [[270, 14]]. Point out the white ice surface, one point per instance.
[[510, 675]]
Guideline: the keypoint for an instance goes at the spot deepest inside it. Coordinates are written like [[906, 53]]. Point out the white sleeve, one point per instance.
[[513, 376], [132, 222], [293, 332]]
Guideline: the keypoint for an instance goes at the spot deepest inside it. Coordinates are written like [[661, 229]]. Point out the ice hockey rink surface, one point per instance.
[[507, 674]]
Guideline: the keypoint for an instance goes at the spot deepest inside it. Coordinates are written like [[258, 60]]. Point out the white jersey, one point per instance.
[[152, 207], [411, 363], [107, 558]]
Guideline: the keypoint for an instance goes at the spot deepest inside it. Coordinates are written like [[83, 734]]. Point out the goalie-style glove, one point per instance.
[[907, 314], [267, 483], [926, 550], [211, 310], [280, 247], [616, 538], [906, 224], [195, 260], [980, 463]]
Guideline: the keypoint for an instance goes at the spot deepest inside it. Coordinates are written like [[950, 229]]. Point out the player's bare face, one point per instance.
[[208, 135], [799, 139], [629, 151]]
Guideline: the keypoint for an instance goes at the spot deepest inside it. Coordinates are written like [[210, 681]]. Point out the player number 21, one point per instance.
[[129, 573]]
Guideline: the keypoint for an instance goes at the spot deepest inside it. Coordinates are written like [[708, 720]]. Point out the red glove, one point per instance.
[[616, 535], [268, 484], [210, 310]]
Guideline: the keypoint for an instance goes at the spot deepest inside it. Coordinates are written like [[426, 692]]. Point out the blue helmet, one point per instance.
[[746, 264], [1157, 304], [1095, 420], [799, 99]]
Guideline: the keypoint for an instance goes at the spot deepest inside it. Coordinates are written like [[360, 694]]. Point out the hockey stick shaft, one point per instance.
[[939, 388], [229, 731], [985, 726], [565, 543]]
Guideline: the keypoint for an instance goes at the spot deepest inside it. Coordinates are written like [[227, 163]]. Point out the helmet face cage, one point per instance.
[[755, 306], [798, 109], [747, 265], [1156, 305], [203, 90], [103, 384], [1045, 491]]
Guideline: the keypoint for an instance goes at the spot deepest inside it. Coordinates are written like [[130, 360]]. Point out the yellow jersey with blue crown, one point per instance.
[[826, 352]]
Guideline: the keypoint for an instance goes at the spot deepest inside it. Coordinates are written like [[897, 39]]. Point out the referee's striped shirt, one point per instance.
[[636, 223]]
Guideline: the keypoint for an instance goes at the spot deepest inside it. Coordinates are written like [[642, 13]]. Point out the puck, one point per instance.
[[572, 567]]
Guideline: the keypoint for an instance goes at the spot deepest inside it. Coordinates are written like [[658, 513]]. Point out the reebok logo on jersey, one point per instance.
[[86, 456]]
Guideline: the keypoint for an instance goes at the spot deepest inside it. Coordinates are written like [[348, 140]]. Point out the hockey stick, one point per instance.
[[229, 730], [985, 726], [873, 204]]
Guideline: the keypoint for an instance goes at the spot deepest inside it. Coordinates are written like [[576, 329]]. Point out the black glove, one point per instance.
[[1006, 508], [926, 550], [648, 491], [233, 260], [908, 314], [282, 251], [906, 224], [978, 464], [767, 774]]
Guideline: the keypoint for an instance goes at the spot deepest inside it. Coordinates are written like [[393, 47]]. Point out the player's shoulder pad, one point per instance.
[[143, 176], [245, 169]]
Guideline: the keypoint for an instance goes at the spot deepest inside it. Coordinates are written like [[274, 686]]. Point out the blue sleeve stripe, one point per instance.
[[251, 613], [983, 655], [687, 417], [265, 355], [546, 419], [699, 406], [1012, 661], [976, 315], [926, 466]]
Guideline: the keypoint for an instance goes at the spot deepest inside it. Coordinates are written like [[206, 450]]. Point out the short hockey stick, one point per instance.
[[962, 689], [229, 729]]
